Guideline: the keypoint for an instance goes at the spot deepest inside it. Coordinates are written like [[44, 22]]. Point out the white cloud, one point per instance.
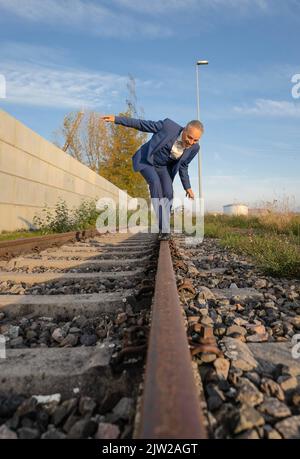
[[88, 16], [173, 6], [32, 53], [33, 84], [40, 76], [268, 107], [134, 18]]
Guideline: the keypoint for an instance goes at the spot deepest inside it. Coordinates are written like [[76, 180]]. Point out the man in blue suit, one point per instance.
[[170, 150]]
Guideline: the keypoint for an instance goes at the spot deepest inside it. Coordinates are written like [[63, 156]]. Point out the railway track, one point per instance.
[[75, 318], [118, 336]]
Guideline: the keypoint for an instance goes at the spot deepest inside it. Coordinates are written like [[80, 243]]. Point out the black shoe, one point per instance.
[[164, 236]]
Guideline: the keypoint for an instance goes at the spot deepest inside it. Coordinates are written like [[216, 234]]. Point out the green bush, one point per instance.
[[61, 219]]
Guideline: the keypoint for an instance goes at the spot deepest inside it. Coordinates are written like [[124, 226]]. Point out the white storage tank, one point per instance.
[[235, 209]]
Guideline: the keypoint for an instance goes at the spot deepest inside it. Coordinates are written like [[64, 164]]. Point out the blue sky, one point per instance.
[[59, 56]]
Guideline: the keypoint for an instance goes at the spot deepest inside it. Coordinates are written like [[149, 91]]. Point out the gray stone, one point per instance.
[[72, 419], [69, 341], [107, 431], [27, 408], [239, 294], [206, 321], [271, 434], [239, 354], [231, 393], [13, 331], [9, 404], [219, 330], [31, 334], [260, 283], [121, 318], [222, 367], [248, 435], [248, 393], [205, 293], [84, 428], [75, 330], [2, 316], [274, 408], [289, 428], [272, 388], [123, 410], [53, 434], [258, 338], [239, 321], [58, 335], [233, 285], [246, 418], [7, 434], [269, 355], [88, 340], [253, 377], [295, 321], [28, 433], [236, 329], [87, 406], [270, 305], [214, 403], [208, 357], [63, 411], [287, 382], [256, 328], [17, 342], [214, 391], [296, 397]]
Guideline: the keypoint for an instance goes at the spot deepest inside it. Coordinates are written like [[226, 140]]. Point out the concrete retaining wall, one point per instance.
[[35, 173]]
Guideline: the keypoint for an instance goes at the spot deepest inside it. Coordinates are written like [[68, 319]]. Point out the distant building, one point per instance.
[[235, 209]]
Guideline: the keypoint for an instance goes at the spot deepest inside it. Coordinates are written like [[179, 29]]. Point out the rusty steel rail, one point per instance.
[[9, 249], [170, 405]]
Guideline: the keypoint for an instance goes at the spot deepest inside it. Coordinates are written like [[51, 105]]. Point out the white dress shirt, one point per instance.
[[178, 148]]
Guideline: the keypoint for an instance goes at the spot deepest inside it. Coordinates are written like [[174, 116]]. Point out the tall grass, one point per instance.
[[272, 239]]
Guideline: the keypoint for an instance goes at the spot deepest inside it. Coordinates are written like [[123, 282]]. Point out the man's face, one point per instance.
[[190, 136]]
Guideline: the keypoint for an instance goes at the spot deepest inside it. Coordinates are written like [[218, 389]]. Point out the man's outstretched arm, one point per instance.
[[140, 125]]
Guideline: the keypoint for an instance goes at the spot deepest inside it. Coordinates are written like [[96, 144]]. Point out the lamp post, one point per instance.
[[198, 117]]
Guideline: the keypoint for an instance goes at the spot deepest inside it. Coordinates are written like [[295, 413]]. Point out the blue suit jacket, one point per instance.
[[164, 132]]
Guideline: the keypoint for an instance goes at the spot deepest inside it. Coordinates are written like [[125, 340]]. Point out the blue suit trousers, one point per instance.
[[161, 191]]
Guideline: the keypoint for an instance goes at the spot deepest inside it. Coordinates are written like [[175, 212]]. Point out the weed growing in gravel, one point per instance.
[[272, 240], [61, 219], [275, 255]]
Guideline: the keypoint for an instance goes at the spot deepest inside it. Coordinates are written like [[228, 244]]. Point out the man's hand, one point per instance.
[[108, 118], [190, 194]]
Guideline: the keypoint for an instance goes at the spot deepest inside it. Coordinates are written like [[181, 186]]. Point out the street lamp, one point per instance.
[[198, 116]]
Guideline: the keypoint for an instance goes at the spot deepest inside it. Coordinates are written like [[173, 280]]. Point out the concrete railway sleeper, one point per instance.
[[75, 341]]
